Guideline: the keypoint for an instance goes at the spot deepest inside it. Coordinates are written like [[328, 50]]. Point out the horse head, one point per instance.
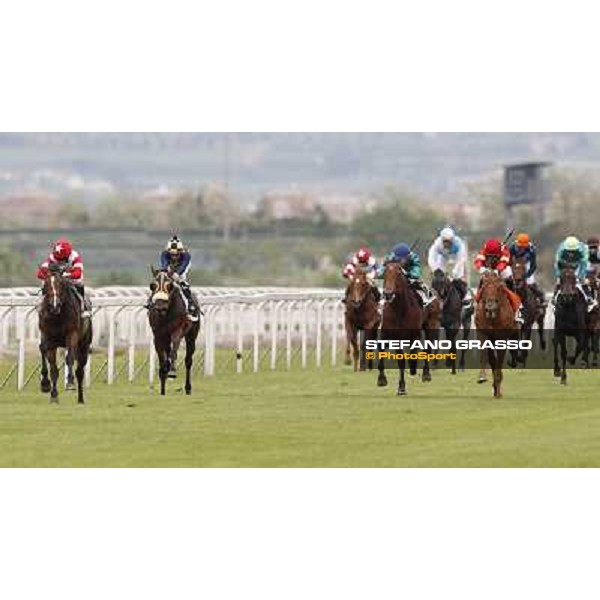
[[568, 287], [441, 284], [491, 294], [395, 282], [359, 289], [161, 289], [519, 269], [54, 290]]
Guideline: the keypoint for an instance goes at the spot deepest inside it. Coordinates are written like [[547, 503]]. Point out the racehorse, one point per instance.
[[495, 320], [592, 342], [62, 326], [362, 314], [402, 318], [451, 294], [169, 321], [534, 311], [569, 321], [431, 330]]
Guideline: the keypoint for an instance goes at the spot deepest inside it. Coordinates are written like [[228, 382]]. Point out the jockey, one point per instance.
[[364, 259], [176, 259], [495, 256], [448, 253], [574, 254], [593, 244], [411, 263], [71, 266], [524, 248]]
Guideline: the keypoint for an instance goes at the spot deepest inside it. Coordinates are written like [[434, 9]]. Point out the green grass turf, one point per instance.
[[328, 418]]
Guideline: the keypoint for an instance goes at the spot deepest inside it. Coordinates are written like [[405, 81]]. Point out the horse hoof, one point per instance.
[[481, 380], [53, 399], [426, 378], [70, 387], [382, 382], [80, 401], [45, 388], [402, 393], [556, 373], [172, 375]]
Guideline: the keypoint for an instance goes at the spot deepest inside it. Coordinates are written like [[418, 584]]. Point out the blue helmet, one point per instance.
[[401, 251]]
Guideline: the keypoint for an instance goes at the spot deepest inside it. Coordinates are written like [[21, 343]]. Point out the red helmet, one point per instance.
[[363, 255], [493, 248], [62, 249]]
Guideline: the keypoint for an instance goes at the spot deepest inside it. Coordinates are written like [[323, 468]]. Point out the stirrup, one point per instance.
[[193, 318], [592, 304], [519, 317]]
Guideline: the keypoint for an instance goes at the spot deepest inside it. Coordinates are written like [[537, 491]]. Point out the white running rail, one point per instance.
[[244, 328]]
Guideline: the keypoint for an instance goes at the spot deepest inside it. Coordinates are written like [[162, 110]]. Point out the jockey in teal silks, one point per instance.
[[574, 254], [411, 263]]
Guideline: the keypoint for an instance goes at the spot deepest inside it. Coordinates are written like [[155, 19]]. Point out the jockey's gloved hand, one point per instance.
[[175, 277], [483, 270]]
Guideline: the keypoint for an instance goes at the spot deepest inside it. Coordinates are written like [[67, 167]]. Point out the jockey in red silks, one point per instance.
[[364, 259], [495, 256], [69, 260]]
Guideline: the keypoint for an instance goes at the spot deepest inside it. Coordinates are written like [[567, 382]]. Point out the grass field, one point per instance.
[[329, 418]]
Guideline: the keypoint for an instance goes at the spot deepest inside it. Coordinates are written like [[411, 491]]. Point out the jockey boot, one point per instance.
[[555, 294], [191, 304], [85, 312], [589, 296], [520, 316], [422, 291], [539, 294]]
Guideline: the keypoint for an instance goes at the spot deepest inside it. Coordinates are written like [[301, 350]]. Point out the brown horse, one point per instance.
[[451, 294], [569, 321], [62, 326], [402, 318], [494, 320], [534, 311], [362, 314], [432, 322], [170, 324]]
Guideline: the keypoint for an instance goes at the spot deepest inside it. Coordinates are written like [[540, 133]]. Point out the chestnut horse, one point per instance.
[[534, 311], [362, 314], [494, 320], [170, 324], [62, 326], [402, 317]]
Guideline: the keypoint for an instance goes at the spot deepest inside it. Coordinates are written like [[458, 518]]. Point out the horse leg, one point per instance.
[[44, 382], [563, 356], [82, 358], [482, 367], [541, 331], [357, 359], [51, 355], [190, 348], [69, 360], [555, 343], [163, 366], [401, 380], [175, 342], [382, 379]]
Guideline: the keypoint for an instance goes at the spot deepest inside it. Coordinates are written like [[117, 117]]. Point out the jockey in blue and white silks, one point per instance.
[[448, 253]]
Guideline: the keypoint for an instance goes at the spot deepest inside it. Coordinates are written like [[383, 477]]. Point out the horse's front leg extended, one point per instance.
[[175, 343], [401, 379], [51, 355], [163, 366], [44, 380], [381, 379]]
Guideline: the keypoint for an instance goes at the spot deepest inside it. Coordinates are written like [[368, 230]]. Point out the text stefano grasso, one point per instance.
[[413, 345]]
